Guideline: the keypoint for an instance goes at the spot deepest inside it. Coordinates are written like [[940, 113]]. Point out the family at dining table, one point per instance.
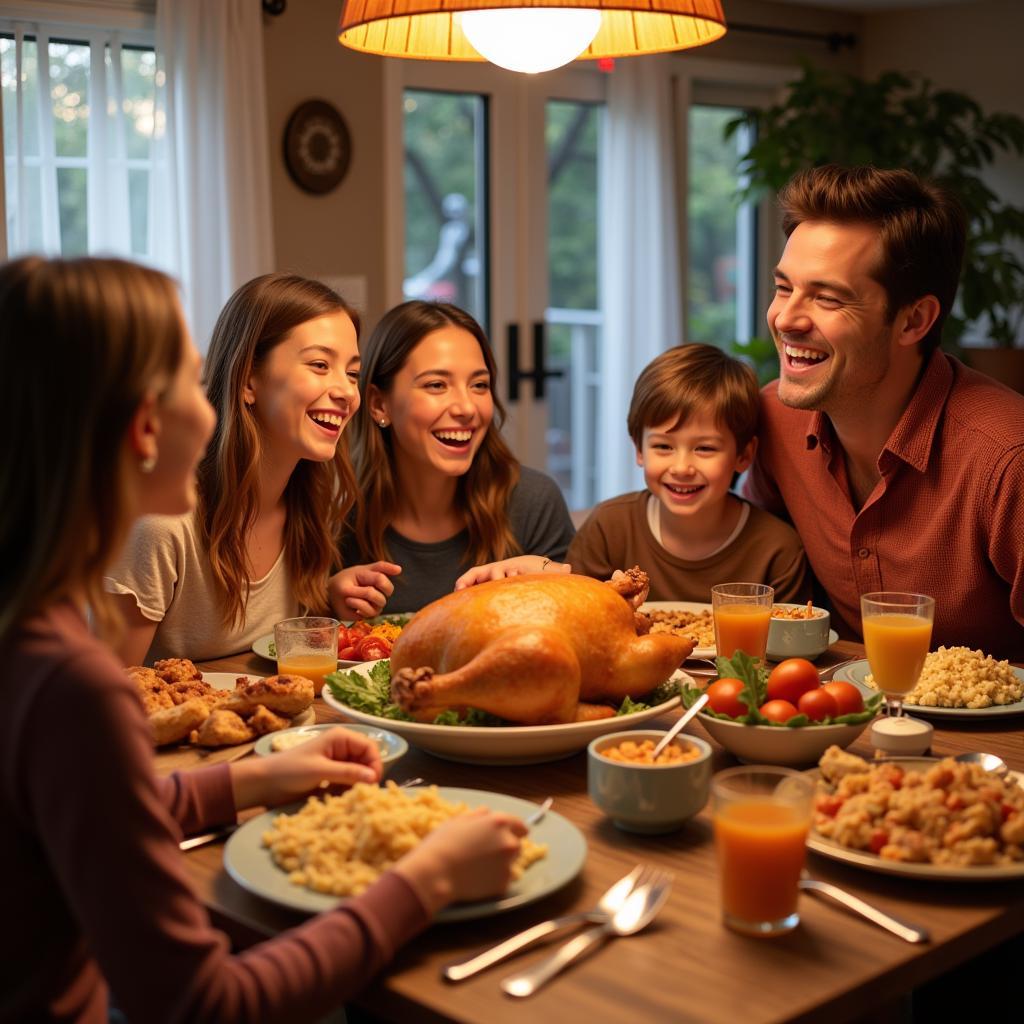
[[159, 506]]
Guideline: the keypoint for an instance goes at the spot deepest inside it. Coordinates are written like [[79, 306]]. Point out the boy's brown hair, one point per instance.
[[679, 382], [922, 226]]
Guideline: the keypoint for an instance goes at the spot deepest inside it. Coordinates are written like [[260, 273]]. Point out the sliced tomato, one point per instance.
[[371, 648], [350, 653]]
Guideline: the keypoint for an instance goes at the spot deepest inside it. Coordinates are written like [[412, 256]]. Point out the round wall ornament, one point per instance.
[[317, 146]]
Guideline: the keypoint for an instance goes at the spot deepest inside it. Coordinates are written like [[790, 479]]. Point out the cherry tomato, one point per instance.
[[818, 705], [778, 710], [792, 678], [847, 696], [724, 697]]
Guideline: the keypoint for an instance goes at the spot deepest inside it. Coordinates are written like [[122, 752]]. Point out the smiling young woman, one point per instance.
[[274, 486], [442, 494]]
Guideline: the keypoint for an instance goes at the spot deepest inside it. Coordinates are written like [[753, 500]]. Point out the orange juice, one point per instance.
[[742, 627], [760, 845], [896, 645], [312, 666]]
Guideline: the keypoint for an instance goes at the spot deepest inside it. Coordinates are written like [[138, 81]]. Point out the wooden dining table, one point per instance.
[[685, 966]]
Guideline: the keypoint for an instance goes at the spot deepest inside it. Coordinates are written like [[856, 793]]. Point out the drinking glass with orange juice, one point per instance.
[[742, 613], [761, 815], [307, 646], [897, 631]]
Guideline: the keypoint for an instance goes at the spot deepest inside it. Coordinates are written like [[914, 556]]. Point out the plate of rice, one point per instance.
[[311, 856], [956, 682]]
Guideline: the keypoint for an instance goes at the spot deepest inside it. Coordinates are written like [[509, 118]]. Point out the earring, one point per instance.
[[383, 422], [148, 464]]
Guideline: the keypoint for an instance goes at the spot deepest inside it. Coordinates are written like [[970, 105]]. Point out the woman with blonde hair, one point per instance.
[[442, 494], [111, 422], [274, 486]]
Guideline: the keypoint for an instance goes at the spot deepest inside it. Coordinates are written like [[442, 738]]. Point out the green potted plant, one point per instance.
[[903, 121]]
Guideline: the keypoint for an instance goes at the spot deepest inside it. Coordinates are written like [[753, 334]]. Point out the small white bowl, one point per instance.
[[776, 744], [392, 747], [798, 638], [648, 798]]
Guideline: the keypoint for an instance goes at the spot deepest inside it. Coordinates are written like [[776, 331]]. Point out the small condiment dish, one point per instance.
[[648, 798], [392, 747], [798, 638]]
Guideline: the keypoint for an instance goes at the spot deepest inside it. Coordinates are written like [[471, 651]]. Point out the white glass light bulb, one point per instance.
[[531, 39]]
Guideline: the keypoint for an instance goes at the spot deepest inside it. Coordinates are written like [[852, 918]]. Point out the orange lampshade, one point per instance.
[[431, 29]]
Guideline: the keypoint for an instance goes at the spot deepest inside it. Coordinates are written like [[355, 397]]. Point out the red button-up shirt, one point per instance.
[[946, 518]]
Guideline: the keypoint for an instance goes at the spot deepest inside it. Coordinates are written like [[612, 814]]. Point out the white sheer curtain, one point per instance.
[[640, 269], [210, 206]]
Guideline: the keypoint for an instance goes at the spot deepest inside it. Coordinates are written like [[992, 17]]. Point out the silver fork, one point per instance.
[[637, 912], [610, 901]]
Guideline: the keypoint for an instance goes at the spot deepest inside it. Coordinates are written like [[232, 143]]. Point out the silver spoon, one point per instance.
[[636, 913], [990, 762], [674, 731]]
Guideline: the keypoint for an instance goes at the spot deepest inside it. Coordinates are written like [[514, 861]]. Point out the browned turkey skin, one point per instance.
[[534, 649]]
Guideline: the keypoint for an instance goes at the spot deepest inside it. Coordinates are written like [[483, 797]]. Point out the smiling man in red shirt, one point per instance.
[[900, 468]]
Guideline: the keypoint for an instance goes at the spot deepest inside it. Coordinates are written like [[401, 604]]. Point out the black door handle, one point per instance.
[[539, 374]]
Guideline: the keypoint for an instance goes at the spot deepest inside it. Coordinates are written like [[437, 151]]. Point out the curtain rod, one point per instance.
[[835, 41]]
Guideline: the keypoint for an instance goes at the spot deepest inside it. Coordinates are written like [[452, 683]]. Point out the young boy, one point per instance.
[[693, 419]]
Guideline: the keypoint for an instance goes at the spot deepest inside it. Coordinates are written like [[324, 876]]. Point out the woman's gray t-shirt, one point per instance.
[[539, 520]]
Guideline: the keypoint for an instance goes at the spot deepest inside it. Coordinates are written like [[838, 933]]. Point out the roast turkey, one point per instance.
[[533, 649]]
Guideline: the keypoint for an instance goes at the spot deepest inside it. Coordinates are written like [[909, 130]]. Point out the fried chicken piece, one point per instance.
[[171, 725], [189, 689], [263, 720], [286, 695], [176, 670], [222, 729], [152, 689]]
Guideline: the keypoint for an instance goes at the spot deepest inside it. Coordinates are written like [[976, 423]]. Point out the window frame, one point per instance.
[[134, 21]]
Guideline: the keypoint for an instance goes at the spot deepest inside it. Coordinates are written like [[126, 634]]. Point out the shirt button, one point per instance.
[[864, 553]]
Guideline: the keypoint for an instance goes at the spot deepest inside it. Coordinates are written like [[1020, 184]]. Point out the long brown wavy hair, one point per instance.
[[483, 493], [319, 495], [83, 342]]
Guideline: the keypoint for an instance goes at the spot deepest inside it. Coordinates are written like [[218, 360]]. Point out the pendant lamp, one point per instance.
[[527, 35]]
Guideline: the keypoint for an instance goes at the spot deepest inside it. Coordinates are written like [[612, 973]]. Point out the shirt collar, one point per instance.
[[911, 439]]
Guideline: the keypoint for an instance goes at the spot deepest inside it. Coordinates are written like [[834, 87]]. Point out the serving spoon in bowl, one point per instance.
[[675, 730]]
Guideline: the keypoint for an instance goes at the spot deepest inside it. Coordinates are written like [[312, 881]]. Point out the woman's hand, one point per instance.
[[467, 858], [336, 756], [361, 591], [517, 566]]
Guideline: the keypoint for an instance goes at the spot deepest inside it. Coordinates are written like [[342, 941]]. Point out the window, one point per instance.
[[721, 233], [78, 131], [445, 209]]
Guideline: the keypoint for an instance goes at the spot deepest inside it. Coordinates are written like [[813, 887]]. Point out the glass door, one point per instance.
[[499, 215]]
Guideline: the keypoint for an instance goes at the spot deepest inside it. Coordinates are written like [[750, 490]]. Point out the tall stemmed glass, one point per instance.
[[897, 634]]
